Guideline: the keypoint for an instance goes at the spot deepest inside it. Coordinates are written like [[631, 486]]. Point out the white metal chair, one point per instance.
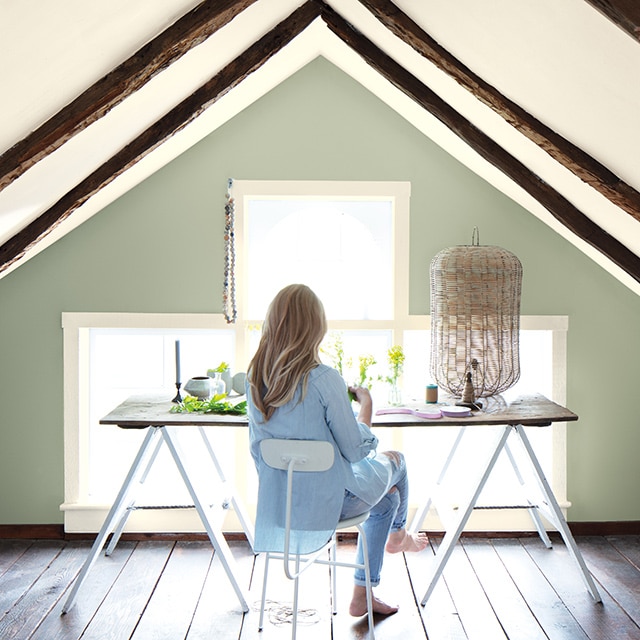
[[300, 456]]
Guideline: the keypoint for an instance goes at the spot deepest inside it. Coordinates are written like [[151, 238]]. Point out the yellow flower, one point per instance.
[[396, 360], [365, 362]]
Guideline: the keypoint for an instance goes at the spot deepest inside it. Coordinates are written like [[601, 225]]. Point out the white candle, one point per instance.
[[177, 361]]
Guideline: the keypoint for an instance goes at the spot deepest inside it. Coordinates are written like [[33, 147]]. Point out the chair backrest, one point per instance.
[[306, 455], [302, 531]]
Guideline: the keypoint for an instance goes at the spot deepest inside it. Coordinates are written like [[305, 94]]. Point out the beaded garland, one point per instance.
[[229, 292]]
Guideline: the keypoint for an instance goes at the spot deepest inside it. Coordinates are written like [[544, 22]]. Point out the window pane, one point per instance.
[[366, 345], [126, 362], [341, 249], [417, 349]]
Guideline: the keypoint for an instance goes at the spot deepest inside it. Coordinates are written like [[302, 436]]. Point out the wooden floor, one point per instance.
[[492, 589]]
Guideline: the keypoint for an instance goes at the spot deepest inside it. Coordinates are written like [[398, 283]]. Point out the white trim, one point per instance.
[[398, 192], [80, 514]]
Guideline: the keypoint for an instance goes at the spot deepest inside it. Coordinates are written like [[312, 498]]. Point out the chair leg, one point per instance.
[[264, 591], [294, 612], [334, 580]]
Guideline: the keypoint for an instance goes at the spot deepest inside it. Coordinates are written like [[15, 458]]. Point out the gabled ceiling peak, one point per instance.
[[211, 17]]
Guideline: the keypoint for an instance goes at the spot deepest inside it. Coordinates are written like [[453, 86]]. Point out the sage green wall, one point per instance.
[[138, 254]]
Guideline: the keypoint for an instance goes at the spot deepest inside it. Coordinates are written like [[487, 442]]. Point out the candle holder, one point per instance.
[[178, 397]]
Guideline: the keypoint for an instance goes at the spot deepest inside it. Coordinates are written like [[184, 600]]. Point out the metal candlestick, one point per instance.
[[178, 397]]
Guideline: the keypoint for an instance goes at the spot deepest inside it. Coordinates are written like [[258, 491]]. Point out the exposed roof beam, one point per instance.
[[573, 158], [187, 32], [624, 13], [254, 57], [175, 120], [554, 202]]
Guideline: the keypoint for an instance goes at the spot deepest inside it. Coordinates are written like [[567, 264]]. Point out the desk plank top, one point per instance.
[[533, 410], [140, 412]]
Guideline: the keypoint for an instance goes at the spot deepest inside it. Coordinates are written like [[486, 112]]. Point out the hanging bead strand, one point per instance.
[[229, 293]]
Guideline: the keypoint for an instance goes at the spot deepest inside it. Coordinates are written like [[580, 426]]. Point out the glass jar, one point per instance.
[[218, 386]]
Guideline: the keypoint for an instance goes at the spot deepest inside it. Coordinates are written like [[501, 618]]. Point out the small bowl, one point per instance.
[[199, 387]]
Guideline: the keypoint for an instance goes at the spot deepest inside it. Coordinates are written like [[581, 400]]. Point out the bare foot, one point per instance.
[[358, 606], [400, 541]]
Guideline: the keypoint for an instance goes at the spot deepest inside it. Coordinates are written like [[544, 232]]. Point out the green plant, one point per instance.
[[364, 362], [216, 404], [333, 348], [395, 358]]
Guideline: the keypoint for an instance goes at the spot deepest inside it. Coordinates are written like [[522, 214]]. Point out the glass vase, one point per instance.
[[395, 395], [218, 386]]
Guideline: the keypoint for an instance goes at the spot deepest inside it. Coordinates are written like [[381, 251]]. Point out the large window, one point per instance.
[[343, 249], [349, 242]]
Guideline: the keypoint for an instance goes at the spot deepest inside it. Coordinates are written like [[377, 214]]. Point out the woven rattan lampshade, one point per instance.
[[475, 318]]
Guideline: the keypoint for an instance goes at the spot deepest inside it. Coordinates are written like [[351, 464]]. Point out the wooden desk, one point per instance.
[[154, 414], [508, 420], [164, 427]]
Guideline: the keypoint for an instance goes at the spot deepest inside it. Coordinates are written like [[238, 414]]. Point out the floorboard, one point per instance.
[[599, 621], [628, 546], [507, 602], [492, 589], [125, 603], [91, 596], [613, 570], [554, 618], [476, 614], [440, 617], [35, 604], [172, 605], [10, 551], [218, 606], [19, 580]]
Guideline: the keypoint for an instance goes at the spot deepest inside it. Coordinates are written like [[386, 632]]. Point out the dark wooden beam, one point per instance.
[[186, 33], [179, 117], [624, 13], [569, 155], [251, 60], [555, 203]]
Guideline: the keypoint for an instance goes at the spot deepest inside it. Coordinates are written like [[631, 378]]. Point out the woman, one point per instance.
[[291, 394]]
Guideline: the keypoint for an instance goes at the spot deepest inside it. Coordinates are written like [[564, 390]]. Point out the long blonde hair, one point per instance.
[[291, 335]]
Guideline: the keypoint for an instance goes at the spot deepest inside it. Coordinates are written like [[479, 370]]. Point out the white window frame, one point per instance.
[[82, 515], [398, 192]]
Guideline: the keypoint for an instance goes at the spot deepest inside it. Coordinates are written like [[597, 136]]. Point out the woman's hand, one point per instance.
[[363, 398], [362, 394]]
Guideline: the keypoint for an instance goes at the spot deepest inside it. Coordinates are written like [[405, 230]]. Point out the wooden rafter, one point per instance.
[[187, 32], [555, 203], [132, 74], [569, 155], [624, 13], [175, 120]]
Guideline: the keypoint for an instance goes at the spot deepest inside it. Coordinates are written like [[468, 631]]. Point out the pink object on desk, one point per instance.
[[429, 413]]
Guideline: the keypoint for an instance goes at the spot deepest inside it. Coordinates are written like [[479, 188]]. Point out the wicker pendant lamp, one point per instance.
[[475, 319]]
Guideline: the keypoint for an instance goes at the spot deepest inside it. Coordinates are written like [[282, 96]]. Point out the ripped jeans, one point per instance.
[[387, 515]]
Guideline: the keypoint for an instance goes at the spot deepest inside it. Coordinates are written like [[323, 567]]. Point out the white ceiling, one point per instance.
[[564, 62]]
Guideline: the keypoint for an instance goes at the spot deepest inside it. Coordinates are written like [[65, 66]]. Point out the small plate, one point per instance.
[[453, 411]]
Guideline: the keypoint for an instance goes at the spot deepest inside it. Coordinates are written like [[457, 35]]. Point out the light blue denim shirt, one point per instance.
[[324, 414]]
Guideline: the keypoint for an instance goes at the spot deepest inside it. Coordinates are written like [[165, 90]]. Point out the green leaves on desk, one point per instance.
[[217, 404]]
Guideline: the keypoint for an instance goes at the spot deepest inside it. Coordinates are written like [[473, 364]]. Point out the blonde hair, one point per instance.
[[291, 335]]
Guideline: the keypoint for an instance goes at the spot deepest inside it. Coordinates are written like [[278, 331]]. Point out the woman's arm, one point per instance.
[[363, 398], [353, 436]]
